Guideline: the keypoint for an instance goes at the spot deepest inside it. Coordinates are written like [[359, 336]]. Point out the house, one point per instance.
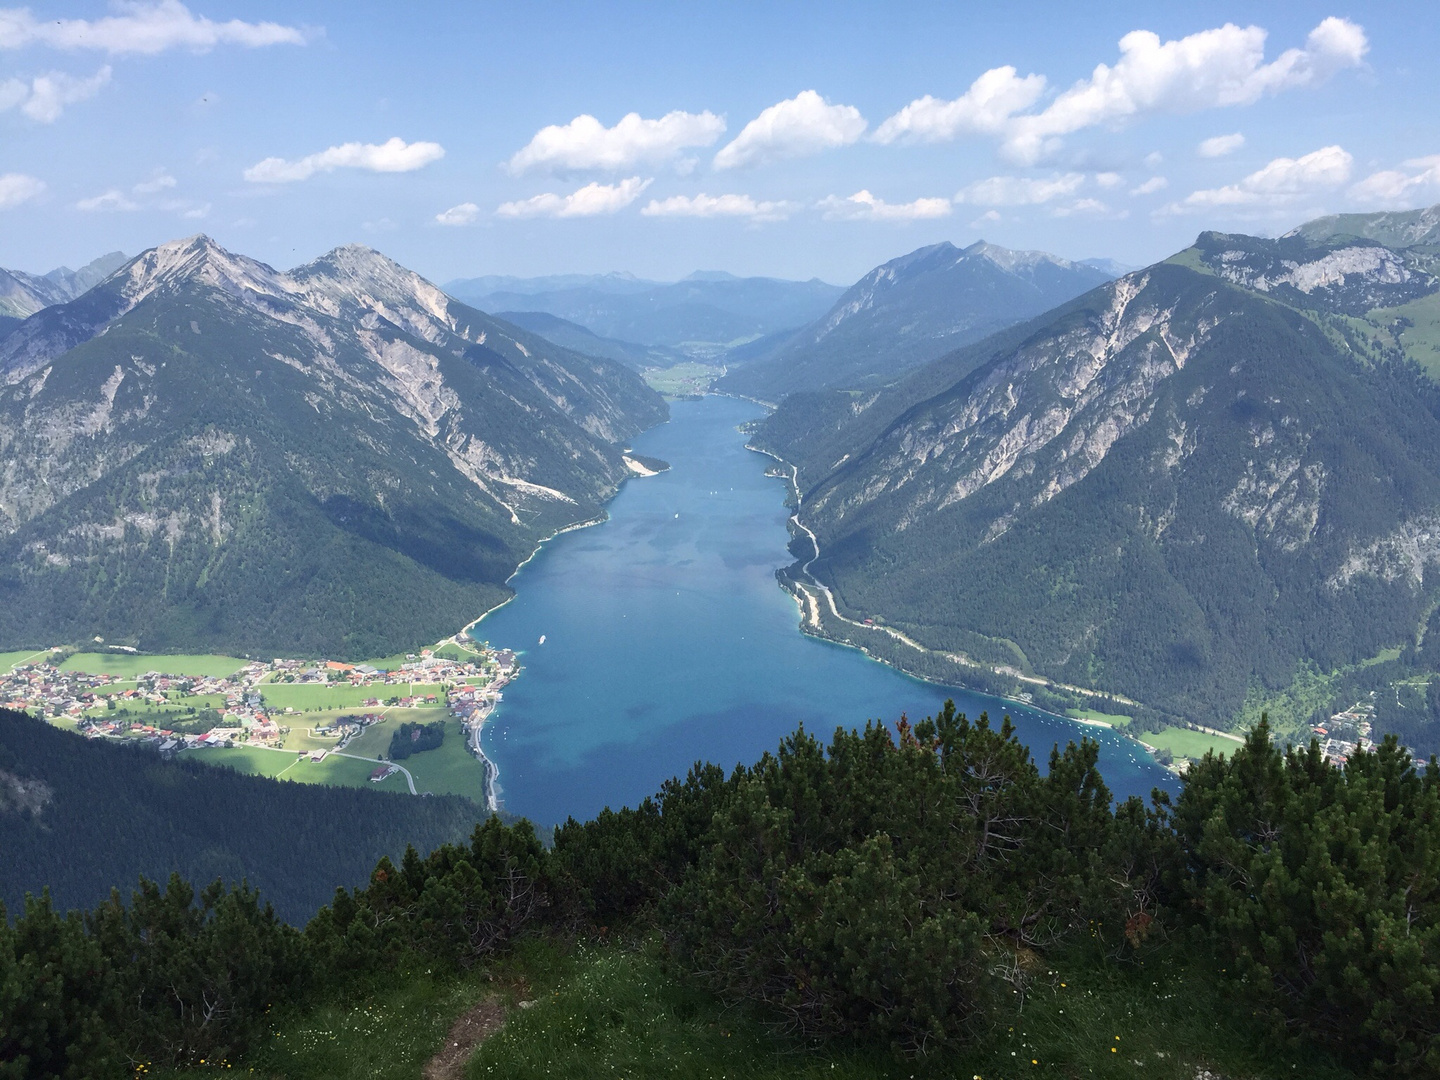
[[381, 772], [318, 755]]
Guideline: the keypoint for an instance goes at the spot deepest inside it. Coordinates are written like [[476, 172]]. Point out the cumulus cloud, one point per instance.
[[1019, 190], [394, 155], [114, 199], [589, 201], [1418, 179], [706, 206], [804, 124], [44, 98], [1149, 187], [985, 108], [1214, 68], [17, 188], [585, 143], [1220, 145], [464, 214], [144, 28], [1277, 183], [863, 206], [159, 182]]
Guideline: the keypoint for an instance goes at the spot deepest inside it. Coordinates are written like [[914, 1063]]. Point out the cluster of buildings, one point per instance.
[[91, 702], [1342, 733]]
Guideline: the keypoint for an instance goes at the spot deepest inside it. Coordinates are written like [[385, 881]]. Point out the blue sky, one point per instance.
[[795, 140]]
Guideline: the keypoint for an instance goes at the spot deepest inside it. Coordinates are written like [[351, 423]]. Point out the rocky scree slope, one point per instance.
[[203, 452], [1183, 485], [910, 311]]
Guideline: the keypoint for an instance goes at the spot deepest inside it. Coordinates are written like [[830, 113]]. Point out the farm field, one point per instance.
[[1182, 742], [312, 697], [9, 659], [283, 765], [448, 769], [132, 664]]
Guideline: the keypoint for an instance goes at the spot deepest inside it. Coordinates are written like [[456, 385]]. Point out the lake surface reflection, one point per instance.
[[668, 640]]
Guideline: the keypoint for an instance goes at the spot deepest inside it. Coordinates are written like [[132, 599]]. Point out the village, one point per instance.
[[1345, 731], [263, 703]]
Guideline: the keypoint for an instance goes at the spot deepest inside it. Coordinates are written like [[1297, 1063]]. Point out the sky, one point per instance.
[[792, 140]]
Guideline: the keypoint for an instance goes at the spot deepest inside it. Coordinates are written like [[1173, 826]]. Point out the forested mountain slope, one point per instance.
[[80, 817], [203, 452], [1180, 487], [912, 310]]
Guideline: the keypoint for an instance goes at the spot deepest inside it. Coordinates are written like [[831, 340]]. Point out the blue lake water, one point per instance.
[[668, 640]]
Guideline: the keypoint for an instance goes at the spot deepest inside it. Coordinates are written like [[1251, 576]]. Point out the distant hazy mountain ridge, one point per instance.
[[23, 294], [203, 450], [702, 314], [912, 310]]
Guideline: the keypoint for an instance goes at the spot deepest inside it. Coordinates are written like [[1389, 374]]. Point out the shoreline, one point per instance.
[[810, 617]]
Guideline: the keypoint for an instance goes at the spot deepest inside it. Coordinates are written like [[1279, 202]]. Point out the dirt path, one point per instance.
[[474, 1026]]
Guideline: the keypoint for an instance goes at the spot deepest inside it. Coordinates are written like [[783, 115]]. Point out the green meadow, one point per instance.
[[131, 664]]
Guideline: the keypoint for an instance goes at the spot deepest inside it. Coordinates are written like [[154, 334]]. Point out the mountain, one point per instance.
[[1396, 228], [571, 335], [23, 294], [912, 310], [700, 316], [205, 453], [295, 842], [1188, 486], [617, 282]]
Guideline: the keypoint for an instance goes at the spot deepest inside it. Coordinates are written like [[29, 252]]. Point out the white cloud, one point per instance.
[[985, 108], [44, 98], [464, 214], [159, 182], [17, 188], [1418, 180], [988, 217], [1109, 179], [1019, 190], [1220, 145], [585, 143], [862, 206], [804, 124], [114, 199], [195, 213], [1154, 159], [1277, 183], [1211, 69], [589, 201], [1149, 187], [1085, 206], [146, 28], [705, 206], [394, 155]]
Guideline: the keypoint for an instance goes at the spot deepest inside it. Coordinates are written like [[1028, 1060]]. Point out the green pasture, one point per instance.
[[133, 664], [309, 697], [1115, 720], [447, 770], [682, 379], [290, 765], [1182, 742], [9, 659]]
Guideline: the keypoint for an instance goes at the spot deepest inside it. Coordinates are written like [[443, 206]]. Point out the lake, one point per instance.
[[668, 640]]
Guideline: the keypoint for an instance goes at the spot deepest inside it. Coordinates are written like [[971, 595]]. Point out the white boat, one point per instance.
[[542, 639]]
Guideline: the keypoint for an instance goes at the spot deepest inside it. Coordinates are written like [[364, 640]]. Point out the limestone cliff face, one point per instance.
[[198, 402]]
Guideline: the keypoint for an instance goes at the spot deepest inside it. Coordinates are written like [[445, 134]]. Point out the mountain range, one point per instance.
[[22, 294], [909, 311], [701, 315], [1186, 486], [204, 452]]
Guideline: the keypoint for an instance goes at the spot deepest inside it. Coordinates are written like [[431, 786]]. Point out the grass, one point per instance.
[[132, 664], [617, 1010], [288, 765], [449, 769], [1421, 341], [1115, 720], [1182, 742], [310, 697], [9, 659]]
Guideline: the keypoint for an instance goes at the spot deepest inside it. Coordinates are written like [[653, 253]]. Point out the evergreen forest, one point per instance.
[[900, 897]]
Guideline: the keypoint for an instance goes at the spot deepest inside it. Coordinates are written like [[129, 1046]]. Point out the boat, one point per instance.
[[542, 639]]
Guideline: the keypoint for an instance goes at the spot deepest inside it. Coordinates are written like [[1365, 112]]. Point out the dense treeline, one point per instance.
[[411, 738], [81, 816], [899, 891]]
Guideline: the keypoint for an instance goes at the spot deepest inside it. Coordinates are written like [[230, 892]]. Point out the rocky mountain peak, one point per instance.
[[198, 259]]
